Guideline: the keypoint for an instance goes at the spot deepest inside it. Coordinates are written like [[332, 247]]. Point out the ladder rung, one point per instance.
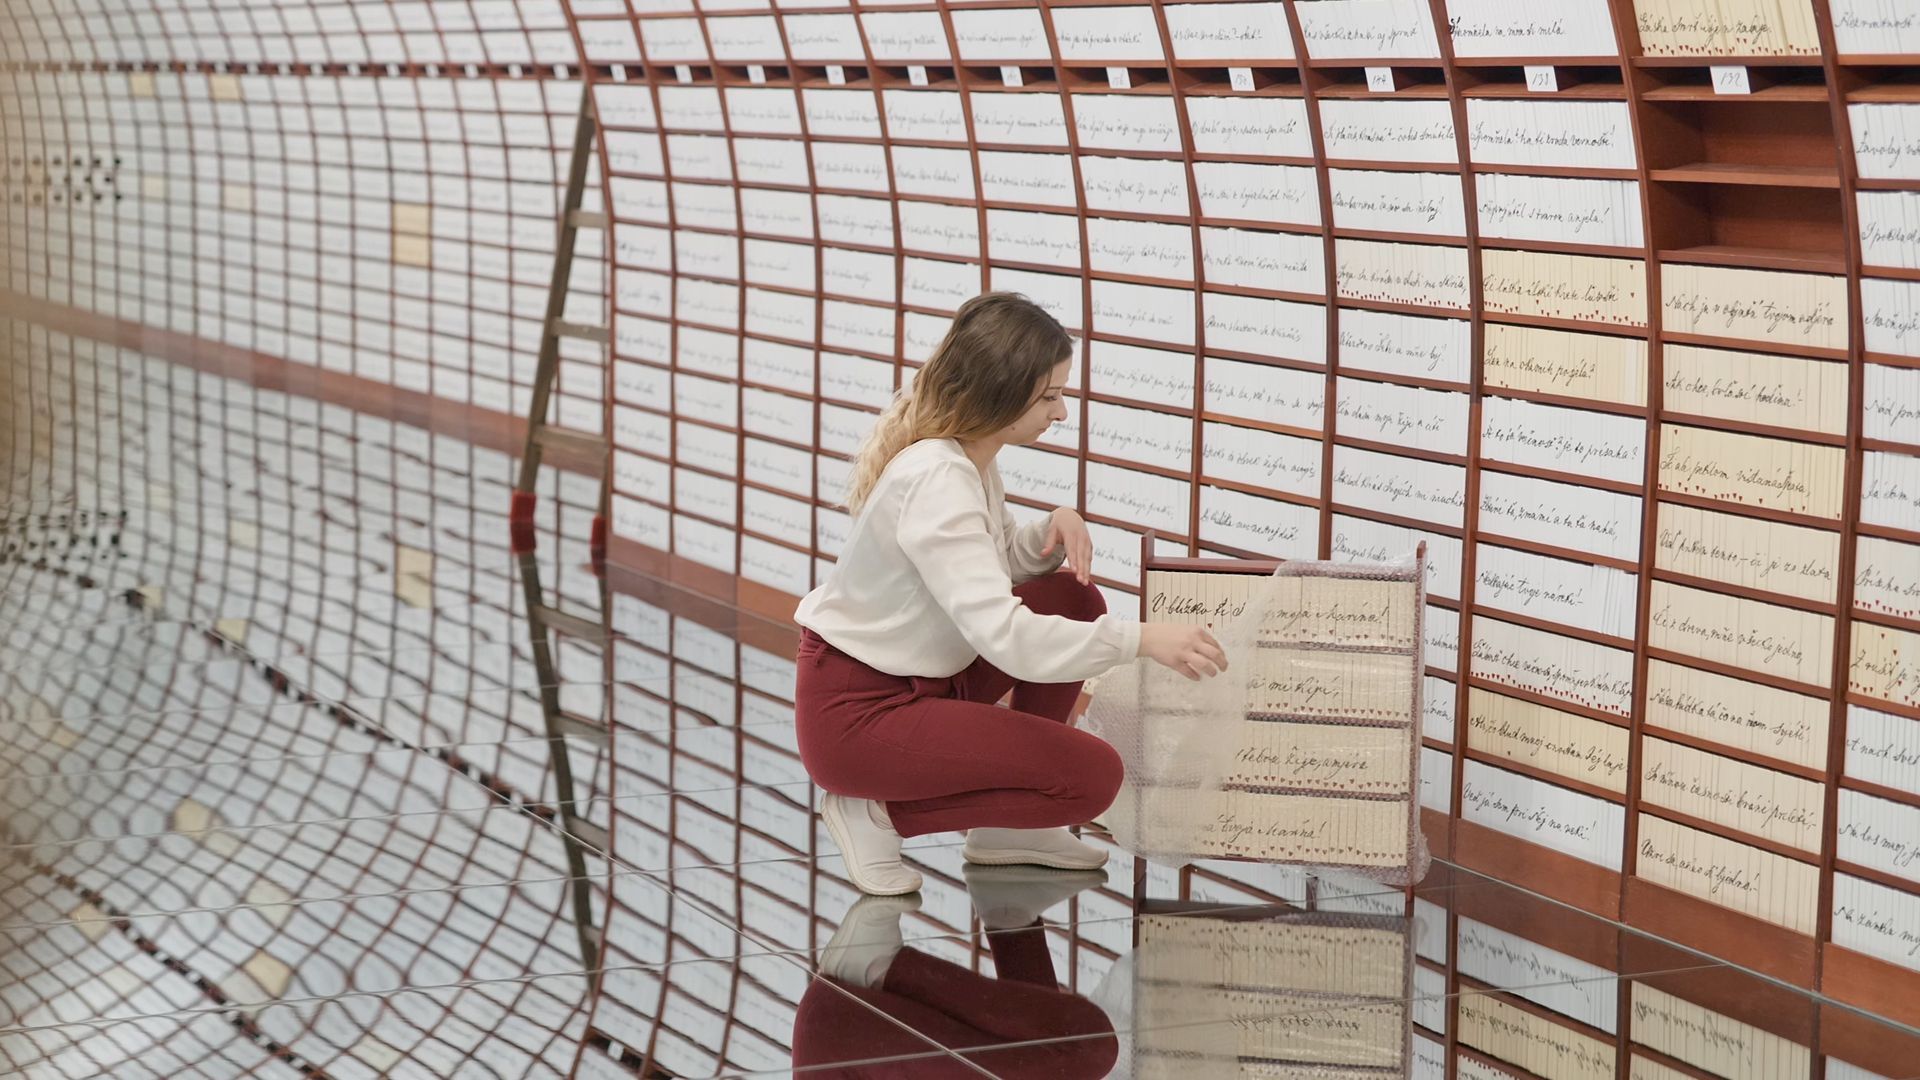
[[587, 219], [568, 624], [588, 833], [579, 442], [575, 726], [563, 328]]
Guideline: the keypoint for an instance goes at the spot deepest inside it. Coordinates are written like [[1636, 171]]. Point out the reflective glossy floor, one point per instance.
[[279, 800]]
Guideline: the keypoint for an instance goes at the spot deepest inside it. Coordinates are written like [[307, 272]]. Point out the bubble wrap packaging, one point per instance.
[[1306, 750]]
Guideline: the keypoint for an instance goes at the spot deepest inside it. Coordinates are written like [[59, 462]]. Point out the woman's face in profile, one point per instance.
[[1049, 407]]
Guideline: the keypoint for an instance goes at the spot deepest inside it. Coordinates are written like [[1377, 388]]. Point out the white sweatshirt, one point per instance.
[[925, 582]]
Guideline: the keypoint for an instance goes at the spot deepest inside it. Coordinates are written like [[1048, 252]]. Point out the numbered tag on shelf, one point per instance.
[[619, 72], [1541, 79], [1731, 79], [683, 72], [1119, 78], [1380, 80], [756, 73], [1010, 75], [837, 74], [917, 74], [1241, 78], [513, 71]]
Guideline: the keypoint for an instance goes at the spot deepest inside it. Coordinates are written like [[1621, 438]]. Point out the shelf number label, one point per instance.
[[756, 73], [1541, 79], [1119, 78], [917, 74], [683, 72], [837, 74], [1010, 75], [1241, 78], [1731, 79], [1380, 80]]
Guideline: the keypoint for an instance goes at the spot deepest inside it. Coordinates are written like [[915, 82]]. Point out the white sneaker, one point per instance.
[[868, 845], [1013, 897], [863, 948], [1032, 847]]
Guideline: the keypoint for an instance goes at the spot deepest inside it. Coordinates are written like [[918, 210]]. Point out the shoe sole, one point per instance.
[[1031, 858], [835, 830]]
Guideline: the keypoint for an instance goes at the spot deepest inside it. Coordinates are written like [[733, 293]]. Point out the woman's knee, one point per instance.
[[1062, 594], [1098, 774]]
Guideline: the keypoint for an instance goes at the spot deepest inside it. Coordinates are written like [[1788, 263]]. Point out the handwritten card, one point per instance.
[[905, 36], [1890, 228], [1560, 210], [1552, 665], [1126, 122], [1404, 487], [1600, 598], [1565, 363], [1107, 34], [1287, 262], [1403, 131], [1408, 345], [1755, 305], [1421, 274], [1264, 459], [1552, 740], [1886, 140], [1364, 540], [1588, 828], [1712, 1042], [1429, 203], [1784, 642], [1780, 391], [1140, 373], [1886, 577], [1578, 443], [1871, 918], [1018, 119], [1556, 286], [1266, 527], [1758, 801], [1253, 391], [1264, 327], [1792, 560], [1001, 34], [1353, 29], [1547, 977], [939, 228], [1727, 872], [1406, 416], [1140, 248], [1727, 28], [1756, 470], [1503, 28], [1890, 489], [1223, 125], [1235, 191], [1562, 134], [1885, 663], [930, 116], [1890, 315], [1229, 31], [824, 37]]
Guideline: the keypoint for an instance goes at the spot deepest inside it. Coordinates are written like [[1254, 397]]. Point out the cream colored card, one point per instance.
[[1427, 275], [1767, 306], [1710, 28], [1709, 1041], [1885, 663], [1754, 553], [1278, 828], [1565, 363], [1755, 470], [1780, 391], [1566, 744], [1291, 1027], [1313, 683], [1285, 955], [1346, 758], [1744, 715], [1555, 286], [1540, 1046], [1729, 873], [1570, 669], [1781, 641], [1761, 802]]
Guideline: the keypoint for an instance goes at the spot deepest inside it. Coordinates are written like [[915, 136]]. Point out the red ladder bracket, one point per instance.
[[520, 521]]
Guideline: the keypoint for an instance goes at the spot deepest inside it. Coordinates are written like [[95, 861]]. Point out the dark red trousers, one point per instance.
[[1063, 1036], [940, 753]]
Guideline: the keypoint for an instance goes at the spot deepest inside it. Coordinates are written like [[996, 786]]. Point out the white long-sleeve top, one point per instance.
[[925, 582]]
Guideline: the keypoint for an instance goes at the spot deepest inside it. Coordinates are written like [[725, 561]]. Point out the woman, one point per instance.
[[940, 605]]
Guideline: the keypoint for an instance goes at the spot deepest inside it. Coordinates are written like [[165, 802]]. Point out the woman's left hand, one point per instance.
[[1066, 529]]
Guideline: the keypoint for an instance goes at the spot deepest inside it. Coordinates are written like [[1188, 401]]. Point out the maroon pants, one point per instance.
[[1058, 1035], [940, 753]]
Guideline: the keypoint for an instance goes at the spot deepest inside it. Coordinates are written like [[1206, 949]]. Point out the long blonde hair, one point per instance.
[[980, 378]]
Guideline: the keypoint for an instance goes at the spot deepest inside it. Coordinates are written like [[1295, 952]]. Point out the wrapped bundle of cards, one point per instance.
[[1242, 992], [1306, 750]]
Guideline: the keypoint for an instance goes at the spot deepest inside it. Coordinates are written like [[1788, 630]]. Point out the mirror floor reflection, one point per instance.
[[282, 795]]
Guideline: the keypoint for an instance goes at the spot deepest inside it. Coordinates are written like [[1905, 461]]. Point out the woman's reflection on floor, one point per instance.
[[911, 997]]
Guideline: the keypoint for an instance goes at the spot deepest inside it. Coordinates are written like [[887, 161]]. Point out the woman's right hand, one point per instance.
[[1189, 650]]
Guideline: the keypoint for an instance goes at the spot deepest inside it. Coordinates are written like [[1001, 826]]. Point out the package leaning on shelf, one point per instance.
[[1306, 751]]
